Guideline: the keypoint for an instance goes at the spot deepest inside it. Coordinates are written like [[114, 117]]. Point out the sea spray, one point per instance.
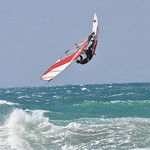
[[24, 129]]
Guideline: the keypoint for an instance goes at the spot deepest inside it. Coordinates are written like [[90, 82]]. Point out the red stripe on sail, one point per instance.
[[56, 71], [68, 59], [47, 77]]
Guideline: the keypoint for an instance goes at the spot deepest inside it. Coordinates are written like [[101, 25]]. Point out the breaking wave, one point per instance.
[[26, 129]]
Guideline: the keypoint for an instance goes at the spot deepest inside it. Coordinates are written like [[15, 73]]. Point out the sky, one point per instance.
[[35, 33]]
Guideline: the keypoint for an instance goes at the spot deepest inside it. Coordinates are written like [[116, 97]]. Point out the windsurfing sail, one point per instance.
[[63, 62], [71, 55]]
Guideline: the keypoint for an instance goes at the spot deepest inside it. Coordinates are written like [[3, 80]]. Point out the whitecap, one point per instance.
[[8, 92], [43, 93], [56, 96], [41, 112], [92, 101], [35, 95], [20, 97], [115, 95], [18, 92], [116, 101], [83, 89], [8, 103]]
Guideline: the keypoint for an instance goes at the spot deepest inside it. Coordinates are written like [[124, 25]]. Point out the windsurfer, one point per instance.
[[88, 52]]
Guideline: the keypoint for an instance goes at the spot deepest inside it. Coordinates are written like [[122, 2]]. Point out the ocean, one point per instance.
[[76, 117]]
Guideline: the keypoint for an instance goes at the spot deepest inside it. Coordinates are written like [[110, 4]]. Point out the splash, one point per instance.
[[24, 130], [30, 130]]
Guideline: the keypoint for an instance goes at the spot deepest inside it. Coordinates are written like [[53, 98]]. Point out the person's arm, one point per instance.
[[81, 57]]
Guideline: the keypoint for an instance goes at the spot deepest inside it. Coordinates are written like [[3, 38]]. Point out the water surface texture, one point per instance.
[[76, 117]]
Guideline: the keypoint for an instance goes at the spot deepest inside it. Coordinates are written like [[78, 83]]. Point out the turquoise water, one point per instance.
[[76, 117]]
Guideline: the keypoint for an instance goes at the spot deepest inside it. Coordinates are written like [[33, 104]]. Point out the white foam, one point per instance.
[[31, 130], [73, 126], [83, 89], [117, 101], [56, 96], [23, 97], [8, 92], [115, 95], [23, 129], [35, 95], [8, 103]]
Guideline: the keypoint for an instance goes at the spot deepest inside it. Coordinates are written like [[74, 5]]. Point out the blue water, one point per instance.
[[76, 117]]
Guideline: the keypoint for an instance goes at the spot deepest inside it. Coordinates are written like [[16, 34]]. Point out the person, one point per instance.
[[88, 52]]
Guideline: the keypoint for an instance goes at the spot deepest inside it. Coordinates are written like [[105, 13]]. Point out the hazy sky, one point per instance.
[[35, 33]]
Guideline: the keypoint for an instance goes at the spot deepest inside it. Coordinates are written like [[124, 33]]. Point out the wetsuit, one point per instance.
[[89, 55]]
